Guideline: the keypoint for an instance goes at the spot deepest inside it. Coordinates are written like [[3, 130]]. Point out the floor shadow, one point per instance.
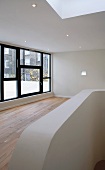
[[100, 165]]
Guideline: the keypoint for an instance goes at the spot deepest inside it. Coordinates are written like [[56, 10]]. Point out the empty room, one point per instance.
[[52, 85]]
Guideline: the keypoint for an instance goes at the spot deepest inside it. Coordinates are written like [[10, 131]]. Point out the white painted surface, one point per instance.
[[67, 67], [73, 8], [57, 5], [43, 29], [69, 137], [0, 73]]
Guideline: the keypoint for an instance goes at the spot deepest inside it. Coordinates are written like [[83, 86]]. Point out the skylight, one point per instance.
[[73, 8]]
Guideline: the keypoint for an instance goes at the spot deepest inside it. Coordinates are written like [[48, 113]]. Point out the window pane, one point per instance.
[[9, 63], [46, 65], [10, 89], [30, 58], [30, 80], [46, 86]]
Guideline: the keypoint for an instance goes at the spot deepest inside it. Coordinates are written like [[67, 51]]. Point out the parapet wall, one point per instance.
[[71, 137]]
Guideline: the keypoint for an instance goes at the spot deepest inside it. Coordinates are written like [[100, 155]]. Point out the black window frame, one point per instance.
[[18, 72]]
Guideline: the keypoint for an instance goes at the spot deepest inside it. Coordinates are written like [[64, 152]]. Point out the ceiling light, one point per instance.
[[33, 5], [25, 41], [67, 35]]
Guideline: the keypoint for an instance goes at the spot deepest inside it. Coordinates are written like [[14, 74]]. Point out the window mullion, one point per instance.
[[2, 72]]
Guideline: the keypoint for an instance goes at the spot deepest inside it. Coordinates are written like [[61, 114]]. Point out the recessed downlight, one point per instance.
[[25, 41], [33, 5], [67, 35]]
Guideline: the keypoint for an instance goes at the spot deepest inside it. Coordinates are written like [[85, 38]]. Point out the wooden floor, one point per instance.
[[14, 121]]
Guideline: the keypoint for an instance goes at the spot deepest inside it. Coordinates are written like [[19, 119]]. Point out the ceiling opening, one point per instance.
[[73, 8]]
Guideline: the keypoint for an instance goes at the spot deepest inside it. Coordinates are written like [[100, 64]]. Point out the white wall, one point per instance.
[[0, 72], [71, 137], [67, 67]]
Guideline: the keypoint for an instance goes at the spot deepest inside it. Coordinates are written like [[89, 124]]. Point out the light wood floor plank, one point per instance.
[[14, 121]]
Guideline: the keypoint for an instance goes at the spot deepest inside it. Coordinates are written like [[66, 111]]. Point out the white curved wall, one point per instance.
[[70, 137]]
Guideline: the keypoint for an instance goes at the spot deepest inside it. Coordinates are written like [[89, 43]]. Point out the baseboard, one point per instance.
[[26, 100], [63, 96]]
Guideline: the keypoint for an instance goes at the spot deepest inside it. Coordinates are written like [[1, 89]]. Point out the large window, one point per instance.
[[24, 72]]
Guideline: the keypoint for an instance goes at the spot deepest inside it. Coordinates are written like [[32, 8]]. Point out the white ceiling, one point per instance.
[[43, 29]]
